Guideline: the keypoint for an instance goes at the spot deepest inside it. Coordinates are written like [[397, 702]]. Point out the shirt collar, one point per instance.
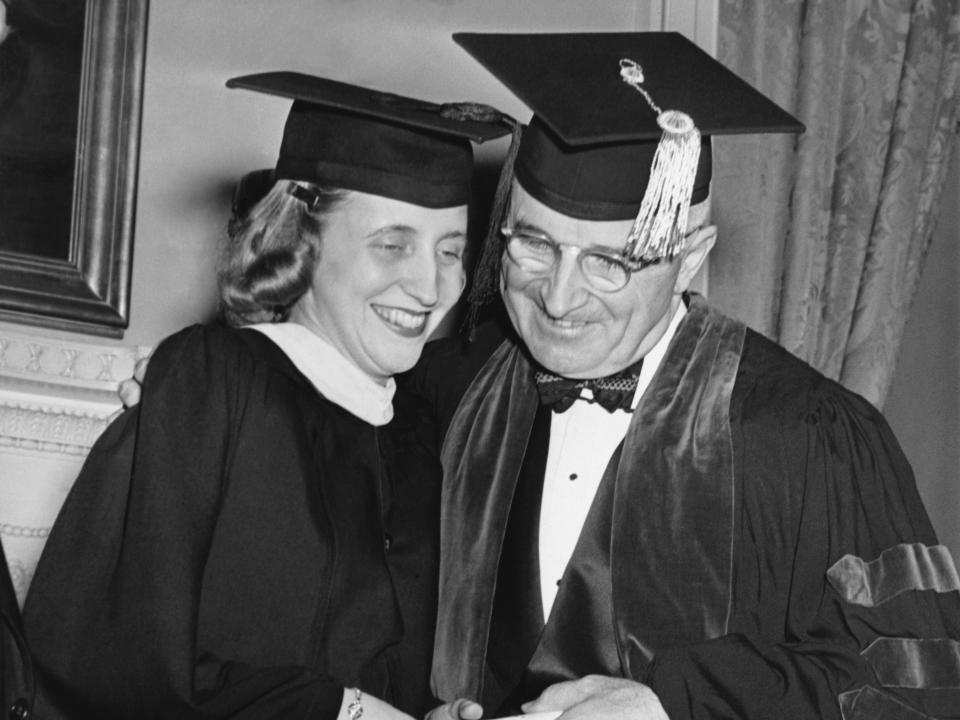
[[333, 375]]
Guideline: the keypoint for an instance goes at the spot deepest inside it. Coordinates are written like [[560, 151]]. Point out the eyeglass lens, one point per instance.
[[537, 255]]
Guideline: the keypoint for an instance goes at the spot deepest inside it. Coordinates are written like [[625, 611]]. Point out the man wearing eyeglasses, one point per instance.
[[649, 510]]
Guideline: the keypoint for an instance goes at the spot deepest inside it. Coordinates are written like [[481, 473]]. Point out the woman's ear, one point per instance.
[[698, 247]]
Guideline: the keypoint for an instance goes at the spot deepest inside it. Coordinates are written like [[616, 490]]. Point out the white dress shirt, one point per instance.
[[582, 440]]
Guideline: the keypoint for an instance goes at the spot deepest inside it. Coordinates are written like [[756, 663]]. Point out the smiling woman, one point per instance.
[[390, 272], [274, 553]]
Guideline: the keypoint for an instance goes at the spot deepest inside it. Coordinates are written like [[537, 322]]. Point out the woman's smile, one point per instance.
[[405, 322]]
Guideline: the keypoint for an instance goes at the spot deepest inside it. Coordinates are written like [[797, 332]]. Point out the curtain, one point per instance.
[[823, 236]]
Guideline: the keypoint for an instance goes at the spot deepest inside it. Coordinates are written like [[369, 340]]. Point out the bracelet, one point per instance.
[[355, 709]]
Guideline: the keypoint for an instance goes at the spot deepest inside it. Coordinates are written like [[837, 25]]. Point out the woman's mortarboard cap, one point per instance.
[[351, 137], [588, 150]]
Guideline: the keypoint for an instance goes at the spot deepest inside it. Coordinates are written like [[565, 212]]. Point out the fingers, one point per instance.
[[129, 389], [468, 710], [556, 697], [595, 696], [461, 709], [140, 369], [564, 695], [129, 392]]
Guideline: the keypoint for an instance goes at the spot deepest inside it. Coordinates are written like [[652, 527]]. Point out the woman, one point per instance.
[[257, 538]]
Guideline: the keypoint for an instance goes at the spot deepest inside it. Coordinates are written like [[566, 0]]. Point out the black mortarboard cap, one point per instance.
[[351, 137], [589, 147]]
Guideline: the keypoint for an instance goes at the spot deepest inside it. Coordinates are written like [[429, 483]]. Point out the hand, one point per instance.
[[129, 389], [461, 709], [597, 696]]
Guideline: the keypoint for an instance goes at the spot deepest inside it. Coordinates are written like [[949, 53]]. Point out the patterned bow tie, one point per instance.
[[614, 392]]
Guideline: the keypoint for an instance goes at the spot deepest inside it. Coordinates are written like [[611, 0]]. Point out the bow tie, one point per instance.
[[613, 392]]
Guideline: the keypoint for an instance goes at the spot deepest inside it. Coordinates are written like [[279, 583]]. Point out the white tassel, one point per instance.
[[660, 227]]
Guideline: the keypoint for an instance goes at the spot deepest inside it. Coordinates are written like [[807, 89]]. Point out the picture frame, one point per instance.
[[88, 291]]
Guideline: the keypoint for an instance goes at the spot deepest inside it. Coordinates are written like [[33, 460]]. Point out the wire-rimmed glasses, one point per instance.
[[538, 255]]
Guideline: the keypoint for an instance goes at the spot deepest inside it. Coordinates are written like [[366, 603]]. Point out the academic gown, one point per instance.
[[756, 549], [238, 546], [16, 670]]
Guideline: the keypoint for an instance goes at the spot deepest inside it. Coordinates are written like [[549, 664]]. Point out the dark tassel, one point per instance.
[[484, 285], [483, 289]]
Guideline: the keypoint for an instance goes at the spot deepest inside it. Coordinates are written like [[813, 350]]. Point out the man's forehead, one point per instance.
[[525, 206], [527, 212]]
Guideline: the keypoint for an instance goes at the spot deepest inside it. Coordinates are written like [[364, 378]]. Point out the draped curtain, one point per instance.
[[823, 236]]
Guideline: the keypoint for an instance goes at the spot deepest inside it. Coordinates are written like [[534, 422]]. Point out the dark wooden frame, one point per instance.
[[90, 291]]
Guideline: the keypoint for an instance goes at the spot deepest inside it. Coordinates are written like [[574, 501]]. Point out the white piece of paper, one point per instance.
[[534, 716]]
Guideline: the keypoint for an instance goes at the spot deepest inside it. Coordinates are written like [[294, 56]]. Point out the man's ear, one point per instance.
[[696, 251]]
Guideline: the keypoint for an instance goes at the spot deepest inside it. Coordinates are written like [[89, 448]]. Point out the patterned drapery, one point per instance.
[[823, 237]]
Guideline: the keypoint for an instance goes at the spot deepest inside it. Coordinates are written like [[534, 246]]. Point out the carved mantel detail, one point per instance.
[[56, 397]]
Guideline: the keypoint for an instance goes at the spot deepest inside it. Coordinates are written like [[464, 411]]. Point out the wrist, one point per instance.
[[351, 707]]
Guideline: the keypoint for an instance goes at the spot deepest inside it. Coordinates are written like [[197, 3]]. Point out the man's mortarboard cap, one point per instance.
[[350, 137], [589, 148]]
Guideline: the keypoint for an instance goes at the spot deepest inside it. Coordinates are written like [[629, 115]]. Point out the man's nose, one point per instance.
[[563, 289]]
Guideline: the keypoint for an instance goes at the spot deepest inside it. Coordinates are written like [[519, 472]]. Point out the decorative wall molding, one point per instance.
[[71, 365], [26, 426], [57, 395]]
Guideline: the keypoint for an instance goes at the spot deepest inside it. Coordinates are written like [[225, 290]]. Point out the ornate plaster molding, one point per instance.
[[58, 395]]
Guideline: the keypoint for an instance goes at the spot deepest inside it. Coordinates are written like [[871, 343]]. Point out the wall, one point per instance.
[[923, 406]]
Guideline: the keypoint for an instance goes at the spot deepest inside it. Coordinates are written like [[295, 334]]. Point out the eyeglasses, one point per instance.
[[539, 255]]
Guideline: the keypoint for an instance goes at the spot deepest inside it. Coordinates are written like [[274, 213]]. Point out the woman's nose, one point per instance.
[[421, 280]]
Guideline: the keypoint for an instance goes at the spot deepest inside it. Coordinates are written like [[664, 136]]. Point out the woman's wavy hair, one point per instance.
[[271, 251]]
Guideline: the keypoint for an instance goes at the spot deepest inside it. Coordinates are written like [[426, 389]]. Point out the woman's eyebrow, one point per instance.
[[392, 229]]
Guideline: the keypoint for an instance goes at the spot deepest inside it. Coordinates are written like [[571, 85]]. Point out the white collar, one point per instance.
[[333, 375]]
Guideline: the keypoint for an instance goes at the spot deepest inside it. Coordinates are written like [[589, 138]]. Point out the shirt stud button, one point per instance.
[[20, 710]]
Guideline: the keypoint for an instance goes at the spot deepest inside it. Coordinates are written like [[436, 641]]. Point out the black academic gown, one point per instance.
[[756, 549], [16, 670], [238, 546]]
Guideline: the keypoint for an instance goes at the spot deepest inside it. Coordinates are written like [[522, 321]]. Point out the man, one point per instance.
[[744, 539]]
